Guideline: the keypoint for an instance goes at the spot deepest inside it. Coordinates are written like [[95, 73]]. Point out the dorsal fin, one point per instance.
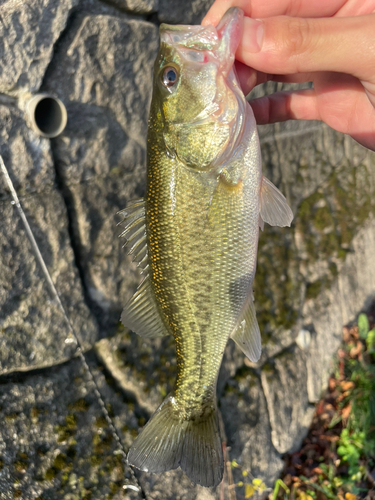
[[247, 334], [135, 231], [141, 313], [274, 208]]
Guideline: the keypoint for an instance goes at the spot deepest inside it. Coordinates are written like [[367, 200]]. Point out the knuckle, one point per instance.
[[298, 36]]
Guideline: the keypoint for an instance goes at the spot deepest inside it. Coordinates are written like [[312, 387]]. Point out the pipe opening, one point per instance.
[[47, 114]]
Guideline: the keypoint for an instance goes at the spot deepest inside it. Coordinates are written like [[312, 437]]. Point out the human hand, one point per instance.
[[328, 42]]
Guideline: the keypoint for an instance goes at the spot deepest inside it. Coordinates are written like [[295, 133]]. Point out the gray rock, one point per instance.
[[35, 332], [101, 155], [28, 32], [248, 431], [136, 6], [26, 155], [103, 74], [281, 382], [143, 368], [176, 12], [351, 293], [55, 441], [174, 485], [34, 329]]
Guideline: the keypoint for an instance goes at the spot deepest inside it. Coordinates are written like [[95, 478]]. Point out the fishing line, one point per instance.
[[73, 336]]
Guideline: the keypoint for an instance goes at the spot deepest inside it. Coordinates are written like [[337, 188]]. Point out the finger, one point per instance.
[[303, 105], [286, 45], [262, 8], [249, 78], [282, 106]]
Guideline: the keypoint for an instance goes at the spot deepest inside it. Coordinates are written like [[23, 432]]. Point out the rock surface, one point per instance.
[[100, 158], [34, 329], [311, 279], [55, 441], [28, 32], [174, 12]]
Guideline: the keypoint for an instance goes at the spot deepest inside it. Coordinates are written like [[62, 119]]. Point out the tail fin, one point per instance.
[[167, 442]]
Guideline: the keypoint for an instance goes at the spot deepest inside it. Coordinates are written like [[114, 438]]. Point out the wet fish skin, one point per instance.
[[195, 236]]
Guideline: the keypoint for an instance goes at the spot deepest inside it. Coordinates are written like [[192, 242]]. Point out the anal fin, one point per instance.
[[247, 334]]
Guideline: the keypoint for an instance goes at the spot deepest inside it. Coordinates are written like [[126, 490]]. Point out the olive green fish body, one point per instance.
[[195, 236], [202, 235]]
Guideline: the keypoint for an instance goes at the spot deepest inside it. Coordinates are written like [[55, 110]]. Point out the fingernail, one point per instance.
[[252, 38]]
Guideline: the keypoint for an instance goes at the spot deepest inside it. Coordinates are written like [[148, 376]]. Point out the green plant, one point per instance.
[[350, 449], [279, 483], [363, 326]]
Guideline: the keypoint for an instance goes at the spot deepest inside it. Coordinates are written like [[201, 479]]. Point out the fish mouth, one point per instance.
[[190, 37], [221, 42]]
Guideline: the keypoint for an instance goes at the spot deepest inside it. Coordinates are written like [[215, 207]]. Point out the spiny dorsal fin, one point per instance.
[[274, 208], [247, 334], [135, 231]]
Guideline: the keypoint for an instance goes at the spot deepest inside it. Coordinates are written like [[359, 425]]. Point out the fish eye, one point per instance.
[[170, 76]]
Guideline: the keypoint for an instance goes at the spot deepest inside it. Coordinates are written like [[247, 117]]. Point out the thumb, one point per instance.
[[287, 45]]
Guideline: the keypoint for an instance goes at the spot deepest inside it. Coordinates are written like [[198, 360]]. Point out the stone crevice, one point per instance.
[[75, 240]]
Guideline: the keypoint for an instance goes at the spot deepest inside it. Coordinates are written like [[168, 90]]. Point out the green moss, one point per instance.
[[11, 416], [21, 463], [133, 433], [96, 439], [276, 290], [307, 205], [110, 410], [333, 269], [329, 219], [64, 433], [101, 422], [50, 474], [79, 405], [313, 289], [141, 421], [268, 368], [34, 413], [95, 461], [60, 462], [103, 444], [64, 478], [71, 421], [114, 487]]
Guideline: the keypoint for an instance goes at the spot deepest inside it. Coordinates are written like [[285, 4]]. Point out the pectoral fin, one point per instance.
[[247, 334], [274, 208]]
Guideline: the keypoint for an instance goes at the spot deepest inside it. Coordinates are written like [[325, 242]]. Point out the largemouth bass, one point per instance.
[[195, 236]]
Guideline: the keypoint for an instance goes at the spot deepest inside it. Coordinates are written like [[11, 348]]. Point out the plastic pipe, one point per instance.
[[47, 115]]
